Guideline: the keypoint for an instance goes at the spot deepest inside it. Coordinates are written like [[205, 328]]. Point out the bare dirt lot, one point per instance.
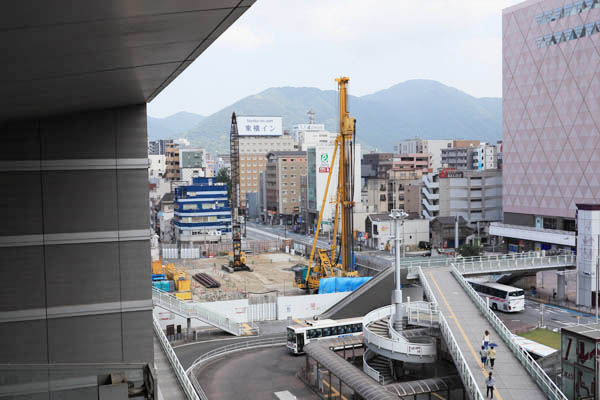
[[271, 271]]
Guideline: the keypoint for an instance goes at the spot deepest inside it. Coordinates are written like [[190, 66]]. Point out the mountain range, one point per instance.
[[423, 108]]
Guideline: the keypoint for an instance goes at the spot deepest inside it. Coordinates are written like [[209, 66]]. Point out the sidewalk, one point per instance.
[[566, 304]]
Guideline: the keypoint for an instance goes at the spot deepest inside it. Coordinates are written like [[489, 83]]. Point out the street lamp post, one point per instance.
[[398, 216]]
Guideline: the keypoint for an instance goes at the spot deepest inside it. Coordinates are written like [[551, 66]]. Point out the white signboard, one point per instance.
[[260, 126]]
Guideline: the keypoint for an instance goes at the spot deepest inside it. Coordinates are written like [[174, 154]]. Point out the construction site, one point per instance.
[[271, 272]]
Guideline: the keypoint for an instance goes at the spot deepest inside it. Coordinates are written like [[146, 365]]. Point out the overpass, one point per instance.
[[375, 292], [518, 376], [197, 311]]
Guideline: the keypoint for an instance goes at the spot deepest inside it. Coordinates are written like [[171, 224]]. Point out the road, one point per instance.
[[269, 232], [554, 317]]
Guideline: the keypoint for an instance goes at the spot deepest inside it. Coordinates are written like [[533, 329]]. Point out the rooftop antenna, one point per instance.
[[311, 116]]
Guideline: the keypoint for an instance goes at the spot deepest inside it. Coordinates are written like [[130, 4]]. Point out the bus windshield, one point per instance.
[[517, 293], [291, 337]]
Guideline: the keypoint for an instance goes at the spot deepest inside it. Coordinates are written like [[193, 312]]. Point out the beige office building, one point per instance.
[[253, 158], [283, 183]]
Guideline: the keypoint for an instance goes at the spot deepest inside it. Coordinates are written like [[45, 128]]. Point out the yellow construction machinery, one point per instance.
[[327, 264]]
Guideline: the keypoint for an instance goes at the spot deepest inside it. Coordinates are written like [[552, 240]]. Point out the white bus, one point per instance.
[[301, 334], [502, 297]]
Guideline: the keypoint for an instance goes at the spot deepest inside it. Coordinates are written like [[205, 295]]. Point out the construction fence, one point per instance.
[[207, 250]]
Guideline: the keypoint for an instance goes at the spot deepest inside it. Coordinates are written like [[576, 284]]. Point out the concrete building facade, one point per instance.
[[319, 163], [202, 212], [173, 170], [253, 158], [284, 172], [156, 165], [433, 147], [380, 230], [475, 196], [75, 232]]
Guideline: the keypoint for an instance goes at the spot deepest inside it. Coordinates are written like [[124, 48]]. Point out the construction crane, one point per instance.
[[237, 258], [328, 265]]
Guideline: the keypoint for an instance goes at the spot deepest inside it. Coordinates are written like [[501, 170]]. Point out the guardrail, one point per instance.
[[397, 343], [195, 310], [233, 348], [513, 264], [372, 372], [422, 313], [538, 374], [186, 385], [464, 371]]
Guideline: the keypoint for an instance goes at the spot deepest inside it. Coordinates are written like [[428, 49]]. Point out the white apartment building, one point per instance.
[[474, 195], [156, 165], [485, 156], [312, 135], [431, 146], [319, 164]]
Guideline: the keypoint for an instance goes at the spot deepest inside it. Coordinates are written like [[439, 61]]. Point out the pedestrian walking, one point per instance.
[[492, 356], [489, 383], [483, 354], [486, 339]]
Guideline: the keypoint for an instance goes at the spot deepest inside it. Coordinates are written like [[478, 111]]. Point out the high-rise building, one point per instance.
[[474, 195], [428, 146], [156, 165], [319, 160], [473, 157], [550, 114], [284, 171], [158, 147], [253, 158], [172, 171]]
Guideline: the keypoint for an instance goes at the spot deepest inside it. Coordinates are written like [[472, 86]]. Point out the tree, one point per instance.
[[466, 250], [224, 176]]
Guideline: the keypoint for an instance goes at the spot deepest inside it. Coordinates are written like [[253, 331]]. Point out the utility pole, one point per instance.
[[398, 216], [456, 235]]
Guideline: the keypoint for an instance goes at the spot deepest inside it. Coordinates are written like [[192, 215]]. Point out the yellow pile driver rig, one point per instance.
[[308, 278]]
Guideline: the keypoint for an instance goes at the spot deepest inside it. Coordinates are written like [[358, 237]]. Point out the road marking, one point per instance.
[[464, 335], [297, 321], [208, 341], [334, 390]]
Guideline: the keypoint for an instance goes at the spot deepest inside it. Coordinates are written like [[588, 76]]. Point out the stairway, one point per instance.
[[381, 365], [381, 328]]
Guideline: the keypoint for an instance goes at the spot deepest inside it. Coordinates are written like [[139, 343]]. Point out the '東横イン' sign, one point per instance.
[[259, 126]]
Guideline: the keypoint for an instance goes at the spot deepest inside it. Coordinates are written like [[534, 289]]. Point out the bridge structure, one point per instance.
[[195, 310], [461, 316]]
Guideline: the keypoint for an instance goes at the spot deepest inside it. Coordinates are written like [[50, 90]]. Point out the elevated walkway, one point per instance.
[[515, 377], [197, 311], [168, 384], [375, 292]]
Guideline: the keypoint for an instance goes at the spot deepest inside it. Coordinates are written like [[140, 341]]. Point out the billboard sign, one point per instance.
[[450, 173], [259, 126]]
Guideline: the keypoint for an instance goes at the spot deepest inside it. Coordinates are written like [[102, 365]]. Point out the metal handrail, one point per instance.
[[542, 379], [233, 348], [464, 371], [372, 372], [500, 265], [416, 311], [460, 362], [187, 386], [196, 310], [396, 343]]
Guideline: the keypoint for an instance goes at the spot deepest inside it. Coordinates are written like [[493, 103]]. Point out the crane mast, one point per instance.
[[327, 266], [237, 258]]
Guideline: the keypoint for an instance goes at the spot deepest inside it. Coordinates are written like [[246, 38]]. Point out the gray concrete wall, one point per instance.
[[74, 240]]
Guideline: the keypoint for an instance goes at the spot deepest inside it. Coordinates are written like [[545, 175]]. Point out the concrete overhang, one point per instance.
[[62, 56], [563, 238]]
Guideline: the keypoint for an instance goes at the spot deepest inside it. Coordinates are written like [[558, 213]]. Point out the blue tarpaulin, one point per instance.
[[334, 285]]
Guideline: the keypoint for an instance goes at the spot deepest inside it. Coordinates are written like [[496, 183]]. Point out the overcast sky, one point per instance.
[[377, 43]]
